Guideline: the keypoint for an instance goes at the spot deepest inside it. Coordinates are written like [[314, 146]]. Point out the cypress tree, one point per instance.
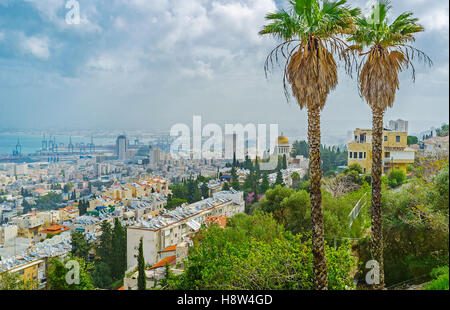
[[279, 180], [264, 184], [105, 249], [119, 245], [142, 283], [235, 180]]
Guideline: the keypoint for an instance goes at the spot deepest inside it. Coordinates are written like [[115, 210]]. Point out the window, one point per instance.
[[355, 154], [385, 138], [387, 154], [365, 155], [397, 139], [360, 154], [350, 154], [356, 138], [364, 170]]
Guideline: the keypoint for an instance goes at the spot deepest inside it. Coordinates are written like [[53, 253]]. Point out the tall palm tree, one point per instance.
[[310, 33], [386, 52]]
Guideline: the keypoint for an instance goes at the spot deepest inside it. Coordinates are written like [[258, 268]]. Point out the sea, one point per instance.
[[32, 143]]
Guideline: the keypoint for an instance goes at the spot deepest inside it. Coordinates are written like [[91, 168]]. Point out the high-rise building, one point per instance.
[[398, 125], [230, 146], [121, 147]]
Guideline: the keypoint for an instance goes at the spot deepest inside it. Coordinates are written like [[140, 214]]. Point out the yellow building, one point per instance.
[[31, 271], [396, 153], [68, 213]]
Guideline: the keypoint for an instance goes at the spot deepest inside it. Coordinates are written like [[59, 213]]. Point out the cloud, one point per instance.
[[37, 46], [170, 58], [201, 69], [54, 11], [436, 19]]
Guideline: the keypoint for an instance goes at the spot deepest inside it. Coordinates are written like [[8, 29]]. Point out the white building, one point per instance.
[[7, 232], [171, 227], [398, 125]]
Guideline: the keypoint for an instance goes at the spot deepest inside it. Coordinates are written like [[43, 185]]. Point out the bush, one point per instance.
[[441, 280], [254, 253], [415, 236], [396, 177], [355, 167]]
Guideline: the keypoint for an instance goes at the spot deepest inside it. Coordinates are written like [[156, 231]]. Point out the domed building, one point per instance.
[[284, 147]]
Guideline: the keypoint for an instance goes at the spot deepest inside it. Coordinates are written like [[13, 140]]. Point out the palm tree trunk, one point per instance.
[[377, 166], [315, 171]]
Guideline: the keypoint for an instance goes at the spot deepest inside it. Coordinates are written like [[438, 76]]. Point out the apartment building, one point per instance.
[[31, 271], [7, 232], [396, 153], [169, 228], [68, 213], [28, 225]]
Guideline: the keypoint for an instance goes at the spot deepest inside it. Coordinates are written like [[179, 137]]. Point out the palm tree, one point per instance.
[[310, 33], [388, 53]]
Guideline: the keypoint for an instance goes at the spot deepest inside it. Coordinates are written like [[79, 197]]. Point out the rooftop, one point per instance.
[[162, 263]]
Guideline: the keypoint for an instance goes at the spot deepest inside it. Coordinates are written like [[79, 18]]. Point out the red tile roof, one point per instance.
[[162, 263], [55, 229], [169, 249]]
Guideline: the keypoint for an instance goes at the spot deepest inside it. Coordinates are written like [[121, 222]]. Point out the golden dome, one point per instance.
[[282, 140]]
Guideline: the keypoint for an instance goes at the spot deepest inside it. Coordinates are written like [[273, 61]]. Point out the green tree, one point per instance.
[[119, 246], [105, 250], [312, 73], [443, 131], [57, 272], [279, 179], [12, 281], [175, 202], [205, 190], [388, 53], [80, 246], [255, 253], [412, 140], [142, 279], [234, 179], [396, 177], [300, 148], [83, 205], [265, 185], [168, 277], [284, 161], [101, 276]]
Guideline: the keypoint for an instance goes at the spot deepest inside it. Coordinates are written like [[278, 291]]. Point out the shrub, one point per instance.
[[441, 280], [396, 177], [242, 257]]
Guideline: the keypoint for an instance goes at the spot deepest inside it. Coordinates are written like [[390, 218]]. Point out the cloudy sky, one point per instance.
[[133, 64]]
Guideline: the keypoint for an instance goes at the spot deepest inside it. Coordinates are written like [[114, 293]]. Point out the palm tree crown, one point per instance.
[[309, 30], [388, 53]]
